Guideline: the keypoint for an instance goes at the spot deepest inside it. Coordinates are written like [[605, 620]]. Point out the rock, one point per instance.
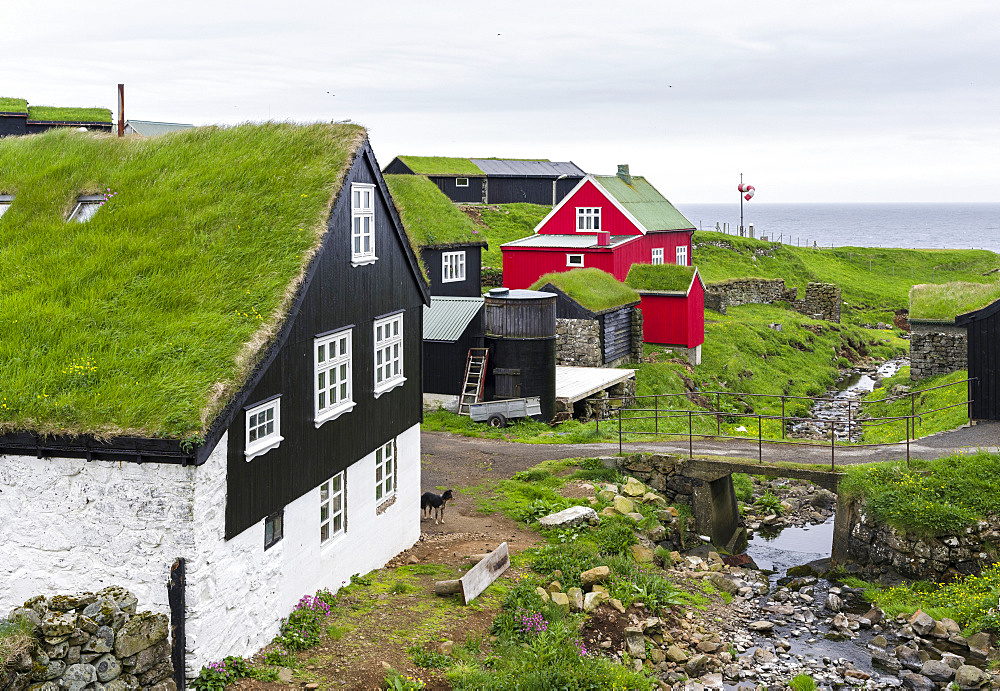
[[65, 603], [763, 655], [635, 645], [76, 677], [633, 488], [917, 682], [709, 647], [606, 495], [560, 600], [880, 641], [937, 670], [643, 555], [761, 626], [285, 675], [413, 559], [86, 624], [695, 665], [657, 533], [58, 624], [108, 667], [574, 515], [542, 593], [653, 498], [712, 681], [593, 600], [617, 604], [123, 599], [722, 583], [446, 647], [575, 596], [656, 656], [145, 659], [885, 662], [101, 642], [598, 574], [908, 657], [140, 632], [609, 511], [554, 587], [834, 603], [979, 644], [676, 654], [161, 670], [48, 670], [635, 516], [969, 677], [875, 616], [921, 623], [623, 505]]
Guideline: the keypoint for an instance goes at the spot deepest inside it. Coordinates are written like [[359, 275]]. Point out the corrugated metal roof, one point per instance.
[[446, 317], [530, 169], [642, 200], [148, 128], [568, 241]]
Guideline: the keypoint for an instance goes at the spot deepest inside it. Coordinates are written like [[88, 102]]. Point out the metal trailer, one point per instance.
[[497, 413]]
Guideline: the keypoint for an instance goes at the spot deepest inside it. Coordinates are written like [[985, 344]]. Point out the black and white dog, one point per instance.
[[433, 505]]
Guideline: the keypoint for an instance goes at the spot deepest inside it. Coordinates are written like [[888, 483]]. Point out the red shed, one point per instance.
[[609, 222], [672, 305]]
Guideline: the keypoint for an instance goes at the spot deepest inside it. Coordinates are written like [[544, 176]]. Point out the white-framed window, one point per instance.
[[334, 390], [332, 508], [682, 255], [388, 353], [5, 201], [385, 471], [574, 260], [657, 256], [362, 224], [86, 207], [461, 182], [263, 427], [452, 266], [588, 218]]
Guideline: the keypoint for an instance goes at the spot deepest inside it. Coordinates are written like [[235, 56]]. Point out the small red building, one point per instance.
[[672, 306], [608, 222]]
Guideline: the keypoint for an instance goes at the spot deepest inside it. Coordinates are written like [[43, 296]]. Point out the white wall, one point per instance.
[[67, 525]]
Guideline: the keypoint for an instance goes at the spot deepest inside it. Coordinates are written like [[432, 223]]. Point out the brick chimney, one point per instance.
[[624, 174]]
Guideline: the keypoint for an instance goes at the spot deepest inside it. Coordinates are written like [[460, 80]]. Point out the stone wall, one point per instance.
[[822, 301], [636, 335], [937, 349], [578, 343], [747, 291], [597, 406], [92, 640], [883, 551]]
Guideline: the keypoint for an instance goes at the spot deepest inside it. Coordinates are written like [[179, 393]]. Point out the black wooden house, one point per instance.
[[18, 118], [983, 329], [494, 180]]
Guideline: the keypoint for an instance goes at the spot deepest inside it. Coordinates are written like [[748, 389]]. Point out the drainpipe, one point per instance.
[[561, 177]]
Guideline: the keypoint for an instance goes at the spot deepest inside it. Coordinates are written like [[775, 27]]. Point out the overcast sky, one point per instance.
[[843, 101]]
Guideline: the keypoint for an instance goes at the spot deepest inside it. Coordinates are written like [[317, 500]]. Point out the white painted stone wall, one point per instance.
[[67, 525]]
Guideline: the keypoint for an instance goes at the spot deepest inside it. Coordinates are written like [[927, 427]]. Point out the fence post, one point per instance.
[[908, 441], [760, 441], [718, 415], [849, 428], [690, 435], [913, 412], [782, 416], [619, 431], [833, 447], [968, 397], [656, 414]]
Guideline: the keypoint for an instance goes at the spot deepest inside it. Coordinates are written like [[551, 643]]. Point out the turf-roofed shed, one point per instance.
[[210, 341], [448, 242], [598, 322], [18, 118], [673, 305]]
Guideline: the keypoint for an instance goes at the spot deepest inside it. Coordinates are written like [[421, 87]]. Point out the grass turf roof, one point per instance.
[[594, 289], [50, 113], [662, 277], [428, 215], [13, 105], [441, 165], [945, 301], [147, 318]]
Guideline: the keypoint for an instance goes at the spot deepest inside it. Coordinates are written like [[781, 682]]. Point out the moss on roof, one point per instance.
[[440, 165], [147, 318], [13, 105], [665, 277], [51, 113], [428, 215], [594, 289], [945, 301]]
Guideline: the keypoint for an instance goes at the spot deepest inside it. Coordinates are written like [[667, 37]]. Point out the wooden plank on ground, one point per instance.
[[485, 572]]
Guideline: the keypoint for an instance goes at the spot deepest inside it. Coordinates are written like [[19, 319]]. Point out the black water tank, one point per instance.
[[521, 335]]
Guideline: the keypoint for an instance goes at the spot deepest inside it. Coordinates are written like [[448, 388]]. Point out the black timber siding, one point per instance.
[[13, 125], [508, 190], [514, 318], [470, 287], [530, 363], [616, 334], [983, 328], [336, 295], [444, 361], [34, 127], [397, 167], [473, 194]]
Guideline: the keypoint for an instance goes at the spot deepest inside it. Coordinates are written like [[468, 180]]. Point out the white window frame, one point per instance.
[[588, 218], [5, 201], [681, 255], [385, 472], [461, 182], [257, 419], [86, 208], [388, 355], [362, 224], [657, 257], [333, 508], [452, 266], [341, 366], [574, 260]]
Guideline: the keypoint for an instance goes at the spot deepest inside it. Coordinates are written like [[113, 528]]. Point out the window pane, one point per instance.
[[336, 504], [324, 532], [336, 483], [324, 512], [336, 524], [324, 492]]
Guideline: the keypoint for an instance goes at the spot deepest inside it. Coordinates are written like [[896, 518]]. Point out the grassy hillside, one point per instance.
[[944, 302], [504, 223]]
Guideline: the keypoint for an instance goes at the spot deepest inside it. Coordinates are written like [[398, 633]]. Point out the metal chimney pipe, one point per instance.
[[121, 110]]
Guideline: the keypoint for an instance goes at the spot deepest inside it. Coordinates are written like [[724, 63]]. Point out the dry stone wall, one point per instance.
[[92, 641], [747, 291], [822, 301], [937, 349], [578, 342]]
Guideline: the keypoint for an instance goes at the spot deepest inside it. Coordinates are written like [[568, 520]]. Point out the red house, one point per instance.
[[672, 306], [609, 222]]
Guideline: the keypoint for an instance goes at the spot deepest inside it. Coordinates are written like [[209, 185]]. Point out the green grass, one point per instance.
[[876, 406], [13, 105], [944, 302], [429, 216], [45, 113], [148, 317], [802, 682], [15, 638], [441, 165], [596, 290], [932, 498], [666, 277], [505, 223]]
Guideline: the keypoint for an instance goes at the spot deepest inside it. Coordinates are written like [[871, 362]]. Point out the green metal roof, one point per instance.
[[648, 206], [446, 317]]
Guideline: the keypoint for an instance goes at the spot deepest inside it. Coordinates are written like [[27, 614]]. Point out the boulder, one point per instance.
[[623, 505], [560, 600], [635, 645], [575, 596], [761, 626], [58, 624], [969, 677], [921, 623], [598, 574], [695, 665], [574, 515], [676, 654], [593, 600], [633, 488], [917, 682], [140, 632], [542, 593], [937, 670], [643, 555]]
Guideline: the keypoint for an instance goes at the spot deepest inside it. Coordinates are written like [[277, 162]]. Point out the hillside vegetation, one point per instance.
[[594, 289], [946, 301], [503, 223]]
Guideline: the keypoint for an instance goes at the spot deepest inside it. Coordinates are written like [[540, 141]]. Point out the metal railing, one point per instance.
[[627, 412]]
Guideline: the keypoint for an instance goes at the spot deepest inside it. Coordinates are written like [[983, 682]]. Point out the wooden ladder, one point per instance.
[[475, 374]]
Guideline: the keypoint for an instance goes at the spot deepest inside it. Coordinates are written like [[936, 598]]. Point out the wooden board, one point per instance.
[[485, 572], [576, 383]]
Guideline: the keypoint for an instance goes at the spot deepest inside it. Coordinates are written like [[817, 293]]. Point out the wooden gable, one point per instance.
[[562, 219]]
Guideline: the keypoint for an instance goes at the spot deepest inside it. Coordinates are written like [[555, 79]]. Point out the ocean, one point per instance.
[[915, 225]]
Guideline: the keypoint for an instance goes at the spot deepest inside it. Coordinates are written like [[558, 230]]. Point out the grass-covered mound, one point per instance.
[[441, 165], [148, 317], [662, 277], [594, 289], [13, 105], [58, 114], [428, 215], [945, 301], [931, 498]]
